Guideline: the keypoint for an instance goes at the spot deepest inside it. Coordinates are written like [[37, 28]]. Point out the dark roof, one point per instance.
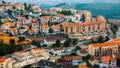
[[48, 39], [52, 64]]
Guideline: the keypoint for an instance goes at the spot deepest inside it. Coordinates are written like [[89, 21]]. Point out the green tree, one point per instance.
[[9, 12], [12, 41], [82, 18], [14, 7], [51, 30], [61, 28], [118, 62], [53, 45], [114, 28], [78, 48], [86, 57], [3, 50], [104, 67], [75, 41], [25, 5], [21, 12], [57, 43], [107, 38], [7, 49], [89, 65], [100, 39], [67, 43], [10, 48], [66, 12], [36, 43], [29, 7], [19, 47], [96, 66], [3, 2], [21, 38]]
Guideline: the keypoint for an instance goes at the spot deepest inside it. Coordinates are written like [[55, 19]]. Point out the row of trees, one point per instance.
[[28, 7], [66, 12], [69, 42], [9, 48], [100, 39], [113, 27]]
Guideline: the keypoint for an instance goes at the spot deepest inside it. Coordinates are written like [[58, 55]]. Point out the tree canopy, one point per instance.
[[51, 30], [57, 43], [75, 41], [100, 39], [78, 48], [66, 12], [67, 43]]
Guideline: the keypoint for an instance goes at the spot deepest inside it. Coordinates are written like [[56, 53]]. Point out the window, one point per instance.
[[71, 29], [98, 26], [66, 29]]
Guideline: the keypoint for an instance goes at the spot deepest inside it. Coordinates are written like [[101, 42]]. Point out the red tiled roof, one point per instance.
[[58, 48]]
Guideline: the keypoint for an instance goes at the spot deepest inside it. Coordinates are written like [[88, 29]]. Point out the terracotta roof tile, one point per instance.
[[2, 59]]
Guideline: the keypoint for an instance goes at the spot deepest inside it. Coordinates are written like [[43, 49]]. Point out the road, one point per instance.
[[81, 43], [54, 58]]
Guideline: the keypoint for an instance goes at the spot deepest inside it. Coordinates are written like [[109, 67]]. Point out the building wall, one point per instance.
[[93, 49]]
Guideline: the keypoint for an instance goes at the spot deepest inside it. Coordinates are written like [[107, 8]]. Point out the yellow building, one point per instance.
[[108, 48], [88, 16], [5, 38]]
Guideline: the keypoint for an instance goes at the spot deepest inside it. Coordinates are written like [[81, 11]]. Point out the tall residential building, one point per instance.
[[108, 48], [86, 29]]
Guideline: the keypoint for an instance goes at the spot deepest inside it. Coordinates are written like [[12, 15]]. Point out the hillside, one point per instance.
[[66, 5], [107, 10]]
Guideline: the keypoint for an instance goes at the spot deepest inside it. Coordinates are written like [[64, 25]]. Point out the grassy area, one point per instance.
[[87, 43]]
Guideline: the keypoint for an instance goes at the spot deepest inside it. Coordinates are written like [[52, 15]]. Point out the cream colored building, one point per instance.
[[19, 6], [108, 48], [5, 62], [24, 58], [86, 30]]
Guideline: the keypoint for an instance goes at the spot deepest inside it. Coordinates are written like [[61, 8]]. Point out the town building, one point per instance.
[[24, 58], [72, 60], [86, 30], [82, 52], [107, 48], [19, 6], [49, 64], [5, 62], [57, 51], [55, 9], [49, 41], [108, 62], [39, 52]]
